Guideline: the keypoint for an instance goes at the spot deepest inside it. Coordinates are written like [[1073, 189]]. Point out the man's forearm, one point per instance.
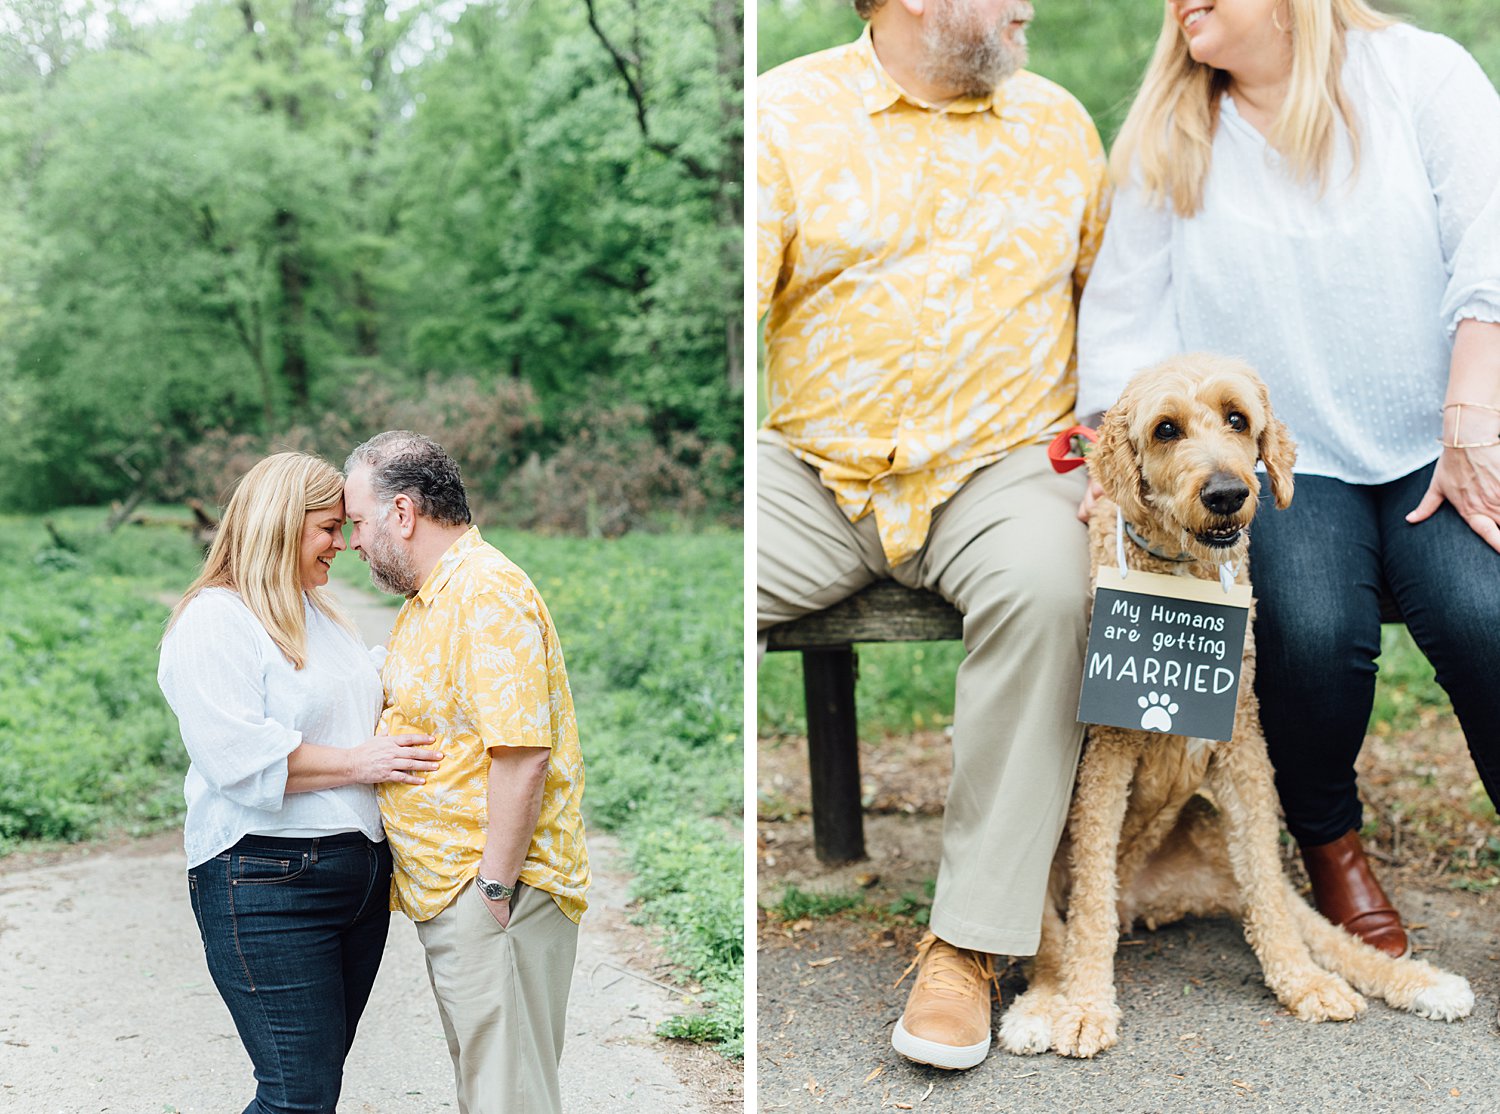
[[513, 800]]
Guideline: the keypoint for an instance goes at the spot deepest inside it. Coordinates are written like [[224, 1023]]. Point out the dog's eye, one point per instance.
[[1166, 431], [1237, 421]]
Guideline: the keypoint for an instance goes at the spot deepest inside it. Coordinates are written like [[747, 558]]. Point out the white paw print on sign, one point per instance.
[[1159, 711]]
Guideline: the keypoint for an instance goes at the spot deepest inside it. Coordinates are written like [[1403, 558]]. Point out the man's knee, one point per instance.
[[1050, 606]]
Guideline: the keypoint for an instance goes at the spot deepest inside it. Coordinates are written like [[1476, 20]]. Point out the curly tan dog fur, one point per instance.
[[1177, 454]]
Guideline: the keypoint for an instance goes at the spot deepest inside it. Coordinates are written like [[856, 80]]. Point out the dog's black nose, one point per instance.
[[1224, 494]]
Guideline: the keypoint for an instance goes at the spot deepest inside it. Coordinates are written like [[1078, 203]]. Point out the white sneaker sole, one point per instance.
[[946, 1056]]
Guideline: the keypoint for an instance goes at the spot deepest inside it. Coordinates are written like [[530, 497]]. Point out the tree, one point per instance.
[[229, 220]]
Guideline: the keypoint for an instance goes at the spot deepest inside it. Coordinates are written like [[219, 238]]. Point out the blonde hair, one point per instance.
[[256, 550], [1167, 139]]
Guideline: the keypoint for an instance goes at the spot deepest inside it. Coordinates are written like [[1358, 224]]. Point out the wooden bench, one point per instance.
[[883, 612]]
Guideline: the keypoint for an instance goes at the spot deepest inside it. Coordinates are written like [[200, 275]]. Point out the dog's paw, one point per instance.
[[1323, 997], [1449, 998], [1026, 1028], [1086, 1029]]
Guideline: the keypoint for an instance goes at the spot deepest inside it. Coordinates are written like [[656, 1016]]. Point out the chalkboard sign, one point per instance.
[[1164, 654]]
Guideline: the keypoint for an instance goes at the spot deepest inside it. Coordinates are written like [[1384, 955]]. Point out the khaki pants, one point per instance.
[[502, 994], [1009, 552]]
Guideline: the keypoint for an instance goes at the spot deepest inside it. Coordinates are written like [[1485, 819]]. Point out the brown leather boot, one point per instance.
[[1347, 893], [947, 1018]]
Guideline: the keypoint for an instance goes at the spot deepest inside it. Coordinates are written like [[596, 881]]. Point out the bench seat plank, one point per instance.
[[883, 612]]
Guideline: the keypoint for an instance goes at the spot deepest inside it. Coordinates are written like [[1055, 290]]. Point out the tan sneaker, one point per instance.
[[947, 1018]]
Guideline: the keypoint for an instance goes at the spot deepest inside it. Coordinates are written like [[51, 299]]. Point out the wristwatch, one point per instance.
[[495, 891]]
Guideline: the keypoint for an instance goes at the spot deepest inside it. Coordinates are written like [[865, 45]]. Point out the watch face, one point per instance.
[[495, 891]]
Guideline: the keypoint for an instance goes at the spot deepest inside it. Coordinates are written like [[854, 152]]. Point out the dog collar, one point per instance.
[[1123, 529], [1134, 535]]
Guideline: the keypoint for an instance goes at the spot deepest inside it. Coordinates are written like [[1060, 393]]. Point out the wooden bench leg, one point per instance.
[[833, 754]]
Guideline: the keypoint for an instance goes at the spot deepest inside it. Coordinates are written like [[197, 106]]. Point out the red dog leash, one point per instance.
[[1070, 448]]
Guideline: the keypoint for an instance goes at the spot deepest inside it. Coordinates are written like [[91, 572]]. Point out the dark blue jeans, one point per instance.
[[1319, 568], [293, 930]]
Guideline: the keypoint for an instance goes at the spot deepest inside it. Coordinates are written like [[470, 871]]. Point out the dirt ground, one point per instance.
[[1426, 823], [1201, 1032], [107, 1004]]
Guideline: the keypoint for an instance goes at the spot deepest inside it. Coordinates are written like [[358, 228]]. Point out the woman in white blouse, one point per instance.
[[277, 699], [1301, 185]]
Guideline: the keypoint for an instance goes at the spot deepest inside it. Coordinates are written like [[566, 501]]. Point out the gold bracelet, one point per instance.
[[1458, 421]]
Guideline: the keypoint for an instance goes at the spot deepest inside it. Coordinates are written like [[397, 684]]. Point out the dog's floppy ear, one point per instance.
[[1278, 452], [1114, 464]]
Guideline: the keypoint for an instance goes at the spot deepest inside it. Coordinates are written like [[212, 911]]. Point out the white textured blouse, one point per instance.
[[242, 709], [1345, 302]]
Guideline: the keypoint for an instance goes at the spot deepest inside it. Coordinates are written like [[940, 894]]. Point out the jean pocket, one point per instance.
[[258, 870]]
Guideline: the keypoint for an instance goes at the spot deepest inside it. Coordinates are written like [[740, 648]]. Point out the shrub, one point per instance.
[[609, 475]]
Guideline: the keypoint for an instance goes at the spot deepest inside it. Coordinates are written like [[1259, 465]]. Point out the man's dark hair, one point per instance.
[[866, 8], [406, 463]]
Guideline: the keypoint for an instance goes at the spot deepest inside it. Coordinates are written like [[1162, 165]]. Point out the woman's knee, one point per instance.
[[1317, 644]]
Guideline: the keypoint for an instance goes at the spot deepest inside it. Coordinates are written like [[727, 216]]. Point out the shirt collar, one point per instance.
[[448, 564], [880, 90]]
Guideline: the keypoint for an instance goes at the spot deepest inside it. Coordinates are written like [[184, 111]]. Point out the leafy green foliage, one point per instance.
[[1406, 687], [1471, 22], [651, 627], [85, 736], [226, 221], [651, 630], [691, 882], [796, 904], [787, 29], [902, 687], [916, 908]]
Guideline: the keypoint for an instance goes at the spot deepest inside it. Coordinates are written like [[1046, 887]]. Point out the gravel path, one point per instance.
[[106, 1003], [1200, 1033]]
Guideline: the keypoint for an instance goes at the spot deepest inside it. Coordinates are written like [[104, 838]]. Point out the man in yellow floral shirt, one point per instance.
[[928, 211], [489, 852]]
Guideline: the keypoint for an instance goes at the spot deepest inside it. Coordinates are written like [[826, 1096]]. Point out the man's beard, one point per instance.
[[969, 55], [391, 570]]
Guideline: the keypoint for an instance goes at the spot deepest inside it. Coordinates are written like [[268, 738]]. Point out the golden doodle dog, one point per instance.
[[1177, 455]]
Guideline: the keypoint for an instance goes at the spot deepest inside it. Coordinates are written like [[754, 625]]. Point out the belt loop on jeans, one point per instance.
[[314, 857]]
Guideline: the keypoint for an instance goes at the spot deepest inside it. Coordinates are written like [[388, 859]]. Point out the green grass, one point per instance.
[[796, 905], [1406, 685], [903, 687], [86, 740], [651, 629], [800, 905], [909, 686]]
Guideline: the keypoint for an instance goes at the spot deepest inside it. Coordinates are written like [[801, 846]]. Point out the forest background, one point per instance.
[[298, 220]]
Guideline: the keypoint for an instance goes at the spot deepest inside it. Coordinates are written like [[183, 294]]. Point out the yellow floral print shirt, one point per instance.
[[474, 661], [919, 269]]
